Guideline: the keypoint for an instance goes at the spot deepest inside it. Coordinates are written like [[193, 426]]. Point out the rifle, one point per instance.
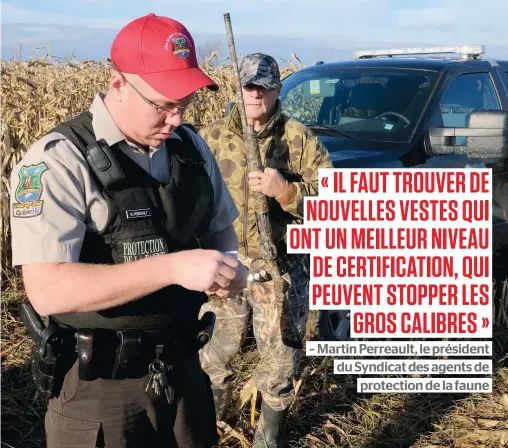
[[273, 263]]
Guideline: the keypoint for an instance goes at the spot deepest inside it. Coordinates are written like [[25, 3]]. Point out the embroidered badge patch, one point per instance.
[[29, 191], [180, 46]]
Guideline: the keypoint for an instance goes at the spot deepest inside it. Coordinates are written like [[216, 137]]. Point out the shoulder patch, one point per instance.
[[29, 191]]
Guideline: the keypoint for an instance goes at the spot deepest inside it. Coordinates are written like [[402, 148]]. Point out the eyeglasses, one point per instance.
[[172, 109]]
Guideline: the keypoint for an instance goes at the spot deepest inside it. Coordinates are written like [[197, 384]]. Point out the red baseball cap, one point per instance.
[[161, 51]]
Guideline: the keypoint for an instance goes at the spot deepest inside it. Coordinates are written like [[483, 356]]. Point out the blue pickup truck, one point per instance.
[[392, 108]]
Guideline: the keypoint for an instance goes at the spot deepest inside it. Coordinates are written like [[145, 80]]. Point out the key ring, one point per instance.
[[160, 366]]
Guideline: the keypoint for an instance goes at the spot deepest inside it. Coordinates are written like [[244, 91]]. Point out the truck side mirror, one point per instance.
[[487, 137], [487, 141]]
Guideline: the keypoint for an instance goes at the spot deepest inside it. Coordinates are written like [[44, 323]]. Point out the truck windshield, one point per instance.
[[368, 103]]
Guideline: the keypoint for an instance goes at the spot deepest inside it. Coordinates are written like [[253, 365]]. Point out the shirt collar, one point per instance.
[[104, 127]]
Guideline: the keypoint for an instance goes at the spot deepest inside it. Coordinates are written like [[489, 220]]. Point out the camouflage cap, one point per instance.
[[260, 69]]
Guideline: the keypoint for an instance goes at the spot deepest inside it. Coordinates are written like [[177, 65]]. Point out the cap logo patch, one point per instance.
[[180, 45]]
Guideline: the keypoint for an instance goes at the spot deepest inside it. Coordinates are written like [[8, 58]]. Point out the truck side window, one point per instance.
[[465, 94]]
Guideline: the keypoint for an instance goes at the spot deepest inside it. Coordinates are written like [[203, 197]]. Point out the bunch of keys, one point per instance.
[[158, 380]]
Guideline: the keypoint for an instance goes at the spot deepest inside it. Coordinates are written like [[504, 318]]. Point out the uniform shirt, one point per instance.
[[54, 197]]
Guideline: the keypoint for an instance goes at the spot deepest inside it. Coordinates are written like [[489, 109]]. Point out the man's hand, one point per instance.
[[236, 286], [270, 182], [207, 271]]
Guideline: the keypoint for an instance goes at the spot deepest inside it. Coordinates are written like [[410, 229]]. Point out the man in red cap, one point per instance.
[[122, 223]]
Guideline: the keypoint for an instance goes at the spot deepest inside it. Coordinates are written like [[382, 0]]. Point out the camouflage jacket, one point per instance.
[[285, 145]]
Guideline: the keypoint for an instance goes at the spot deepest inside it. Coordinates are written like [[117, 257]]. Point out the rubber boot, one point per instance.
[[221, 399], [270, 429]]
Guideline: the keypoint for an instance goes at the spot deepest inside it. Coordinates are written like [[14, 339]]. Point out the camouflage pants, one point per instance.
[[279, 330]]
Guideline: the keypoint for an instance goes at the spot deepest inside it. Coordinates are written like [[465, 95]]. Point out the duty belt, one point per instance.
[[128, 353], [104, 353]]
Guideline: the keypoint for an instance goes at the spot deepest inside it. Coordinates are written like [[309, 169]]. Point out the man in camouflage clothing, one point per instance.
[[291, 155]]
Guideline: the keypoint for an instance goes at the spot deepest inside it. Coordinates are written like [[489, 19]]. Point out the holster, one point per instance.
[[52, 354], [44, 368]]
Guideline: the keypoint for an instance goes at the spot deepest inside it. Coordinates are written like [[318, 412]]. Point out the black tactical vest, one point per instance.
[[146, 218]]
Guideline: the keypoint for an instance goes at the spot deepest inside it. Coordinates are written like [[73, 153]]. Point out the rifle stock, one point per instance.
[[259, 200]]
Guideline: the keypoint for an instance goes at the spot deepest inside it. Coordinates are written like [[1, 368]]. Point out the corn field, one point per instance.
[[39, 94]]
